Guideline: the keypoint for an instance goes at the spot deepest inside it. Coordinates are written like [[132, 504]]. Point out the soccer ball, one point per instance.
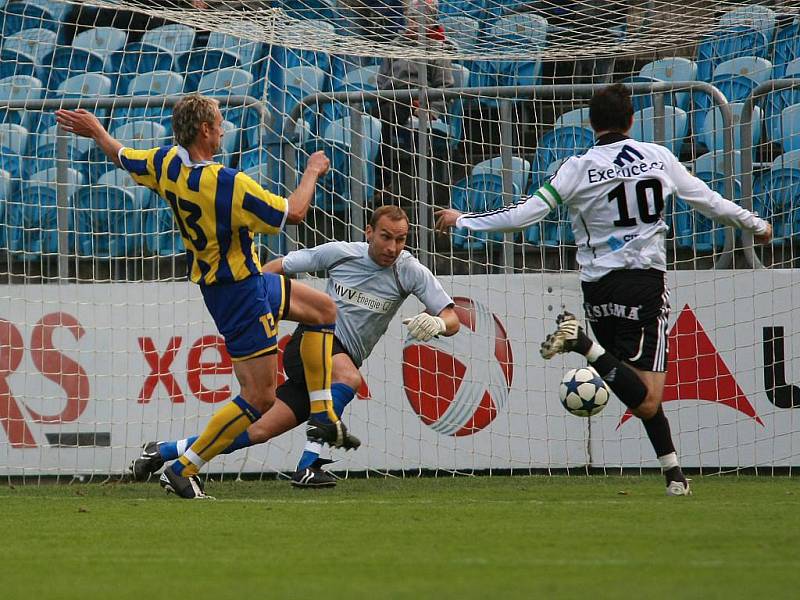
[[583, 392]]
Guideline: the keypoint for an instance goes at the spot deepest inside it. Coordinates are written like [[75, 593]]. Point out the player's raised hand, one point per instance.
[[423, 327], [764, 238], [318, 163], [80, 122], [446, 218]]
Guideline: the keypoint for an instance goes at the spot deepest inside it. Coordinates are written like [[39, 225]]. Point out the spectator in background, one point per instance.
[[422, 31], [375, 20]]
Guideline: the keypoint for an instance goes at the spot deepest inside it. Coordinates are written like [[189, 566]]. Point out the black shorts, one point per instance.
[[629, 313], [293, 364]]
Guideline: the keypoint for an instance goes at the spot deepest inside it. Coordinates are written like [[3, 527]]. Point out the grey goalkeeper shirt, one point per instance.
[[367, 295]]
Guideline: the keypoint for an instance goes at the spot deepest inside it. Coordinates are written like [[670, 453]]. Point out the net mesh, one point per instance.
[[104, 345]]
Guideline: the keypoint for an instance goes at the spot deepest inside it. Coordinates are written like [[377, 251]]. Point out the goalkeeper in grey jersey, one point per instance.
[[369, 282], [615, 196]]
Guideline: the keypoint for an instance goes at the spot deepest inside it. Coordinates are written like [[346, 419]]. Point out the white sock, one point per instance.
[[668, 461], [595, 352]]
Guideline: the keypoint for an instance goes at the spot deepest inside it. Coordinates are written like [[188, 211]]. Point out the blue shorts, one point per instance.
[[247, 313]]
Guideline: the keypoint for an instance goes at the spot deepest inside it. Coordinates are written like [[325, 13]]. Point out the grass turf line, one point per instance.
[[511, 537]]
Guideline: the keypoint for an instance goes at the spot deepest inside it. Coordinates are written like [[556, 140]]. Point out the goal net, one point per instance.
[[470, 104]]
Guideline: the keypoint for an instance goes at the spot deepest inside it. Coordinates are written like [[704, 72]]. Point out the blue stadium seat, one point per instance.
[[641, 100], [713, 131], [478, 193], [672, 69], [17, 16], [676, 125], [334, 193], [43, 151], [103, 40], [204, 60], [157, 83], [33, 226], [175, 38], [35, 42], [58, 9], [20, 87], [15, 61], [108, 222], [120, 178], [787, 49], [714, 163], [792, 69], [790, 128], [738, 77], [65, 62], [138, 58], [725, 44], [775, 198], [520, 169], [758, 17], [461, 30], [558, 143], [246, 51], [788, 160], [298, 82], [233, 81], [476, 9], [13, 142], [88, 86], [577, 117]]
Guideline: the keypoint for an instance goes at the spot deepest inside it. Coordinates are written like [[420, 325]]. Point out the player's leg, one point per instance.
[[347, 379]]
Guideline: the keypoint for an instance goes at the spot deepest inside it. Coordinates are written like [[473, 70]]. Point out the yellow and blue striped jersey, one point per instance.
[[217, 209]]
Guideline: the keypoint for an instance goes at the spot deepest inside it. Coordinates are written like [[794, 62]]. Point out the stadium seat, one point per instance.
[[65, 62], [577, 117], [520, 169], [641, 100], [298, 82], [33, 228], [88, 87], [108, 222], [792, 69], [17, 16], [200, 61], [35, 42], [57, 8], [157, 83], [233, 81], [477, 9], [672, 69], [461, 30], [14, 60], [725, 44], [138, 58], [758, 17], [713, 132], [103, 40], [246, 51], [775, 198], [787, 49], [478, 193], [42, 151], [20, 87], [738, 77], [337, 142], [175, 38], [121, 179], [558, 143], [790, 128], [13, 142], [714, 164], [675, 127], [788, 160]]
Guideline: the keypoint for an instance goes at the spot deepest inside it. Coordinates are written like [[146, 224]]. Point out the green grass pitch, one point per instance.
[[482, 537]]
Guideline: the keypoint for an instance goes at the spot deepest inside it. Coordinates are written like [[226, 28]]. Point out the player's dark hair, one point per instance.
[[390, 211], [189, 113], [611, 109]]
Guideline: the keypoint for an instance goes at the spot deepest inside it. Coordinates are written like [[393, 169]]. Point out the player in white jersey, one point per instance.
[[368, 282], [615, 196]]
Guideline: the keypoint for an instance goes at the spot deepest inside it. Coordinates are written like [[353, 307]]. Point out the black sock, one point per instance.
[[657, 428], [623, 380]]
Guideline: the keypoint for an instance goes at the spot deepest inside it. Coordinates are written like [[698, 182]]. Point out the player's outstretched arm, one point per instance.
[[83, 123], [300, 200]]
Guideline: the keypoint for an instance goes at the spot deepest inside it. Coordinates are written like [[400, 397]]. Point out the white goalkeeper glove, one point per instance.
[[423, 327]]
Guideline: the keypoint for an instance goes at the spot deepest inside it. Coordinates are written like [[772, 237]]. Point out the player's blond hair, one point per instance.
[[189, 113], [390, 211]]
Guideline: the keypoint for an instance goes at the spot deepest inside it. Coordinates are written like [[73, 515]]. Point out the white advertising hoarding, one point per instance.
[[90, 372]]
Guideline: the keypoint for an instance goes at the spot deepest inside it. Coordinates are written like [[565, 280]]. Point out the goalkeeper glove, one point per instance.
[[423, 327]]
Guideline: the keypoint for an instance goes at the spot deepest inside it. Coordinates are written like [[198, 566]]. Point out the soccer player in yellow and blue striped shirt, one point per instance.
[[218, 210]]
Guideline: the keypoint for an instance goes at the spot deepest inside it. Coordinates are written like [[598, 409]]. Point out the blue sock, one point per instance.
[[172, 450], [342, 394]]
